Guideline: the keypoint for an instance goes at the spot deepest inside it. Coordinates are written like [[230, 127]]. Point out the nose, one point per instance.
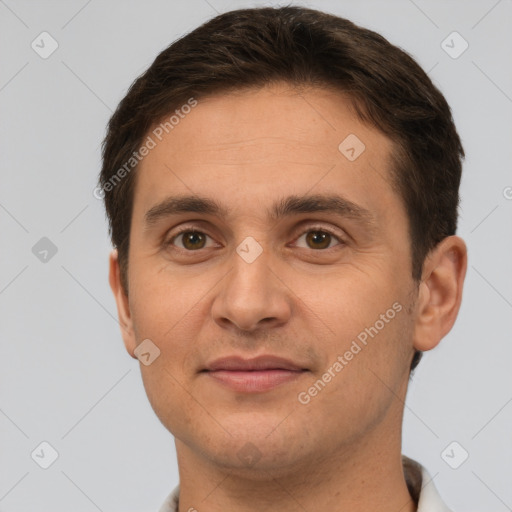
[[253, 296]]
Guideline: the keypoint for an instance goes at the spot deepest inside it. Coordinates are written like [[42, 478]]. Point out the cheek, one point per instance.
[[352, 300], [175, 331], [161, 301], [365, 389], [169, 398], [375, 336], [370, 330], [170, 314]]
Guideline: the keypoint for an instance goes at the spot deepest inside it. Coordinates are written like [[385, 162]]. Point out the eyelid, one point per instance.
[[305, 228], [186, 229]]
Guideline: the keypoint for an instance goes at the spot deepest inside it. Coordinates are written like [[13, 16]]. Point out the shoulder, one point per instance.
[[421, 487]]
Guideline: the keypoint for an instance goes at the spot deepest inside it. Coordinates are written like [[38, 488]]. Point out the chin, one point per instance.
[[256, 447]]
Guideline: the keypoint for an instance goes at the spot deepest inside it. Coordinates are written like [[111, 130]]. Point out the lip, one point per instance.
[[254, 375], [265, 362]]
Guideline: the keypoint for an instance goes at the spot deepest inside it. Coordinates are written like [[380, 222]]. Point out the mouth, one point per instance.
[[255, 375]]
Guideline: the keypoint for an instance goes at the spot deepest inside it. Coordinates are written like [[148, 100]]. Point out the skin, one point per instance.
[[296, 300]]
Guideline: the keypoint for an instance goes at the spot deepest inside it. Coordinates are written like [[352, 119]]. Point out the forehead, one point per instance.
[[247, 148]]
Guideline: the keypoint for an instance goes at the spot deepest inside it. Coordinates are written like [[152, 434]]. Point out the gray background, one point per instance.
[[65, 376]]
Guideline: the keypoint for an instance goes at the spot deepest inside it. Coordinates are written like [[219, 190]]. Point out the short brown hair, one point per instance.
[[303, 47]]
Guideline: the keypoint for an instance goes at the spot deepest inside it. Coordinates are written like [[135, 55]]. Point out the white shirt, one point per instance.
[[418, 481]]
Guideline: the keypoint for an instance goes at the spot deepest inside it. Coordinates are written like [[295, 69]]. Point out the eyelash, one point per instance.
[[187, 229]]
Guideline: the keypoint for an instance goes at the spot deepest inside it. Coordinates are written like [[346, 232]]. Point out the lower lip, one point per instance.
[[255, 381]]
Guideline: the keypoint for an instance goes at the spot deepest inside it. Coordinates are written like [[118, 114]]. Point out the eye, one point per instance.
[[319, 238], [191, 239]]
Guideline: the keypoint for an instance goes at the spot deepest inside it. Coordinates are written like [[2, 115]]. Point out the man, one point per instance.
[[282, 191]]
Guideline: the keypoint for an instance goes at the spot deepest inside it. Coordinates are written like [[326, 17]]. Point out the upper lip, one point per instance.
[[265, 362]]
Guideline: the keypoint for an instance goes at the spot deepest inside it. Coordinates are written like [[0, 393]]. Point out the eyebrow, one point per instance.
[[285, 207]]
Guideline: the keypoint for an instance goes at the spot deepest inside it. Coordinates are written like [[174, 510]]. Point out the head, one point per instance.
[[251, 130]]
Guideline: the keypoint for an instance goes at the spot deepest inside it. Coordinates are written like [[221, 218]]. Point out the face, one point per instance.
[[281, 297]]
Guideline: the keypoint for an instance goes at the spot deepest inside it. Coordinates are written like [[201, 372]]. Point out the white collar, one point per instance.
[[419, 483]]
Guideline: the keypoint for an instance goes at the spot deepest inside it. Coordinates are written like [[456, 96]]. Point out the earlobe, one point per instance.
[[440, 292], [123, 308]]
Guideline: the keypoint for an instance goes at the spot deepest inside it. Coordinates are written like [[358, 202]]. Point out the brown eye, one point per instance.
[[191, 240], [318, 239]]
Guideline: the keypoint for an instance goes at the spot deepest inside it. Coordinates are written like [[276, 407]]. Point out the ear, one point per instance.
[[440, 292], [123, 308]]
